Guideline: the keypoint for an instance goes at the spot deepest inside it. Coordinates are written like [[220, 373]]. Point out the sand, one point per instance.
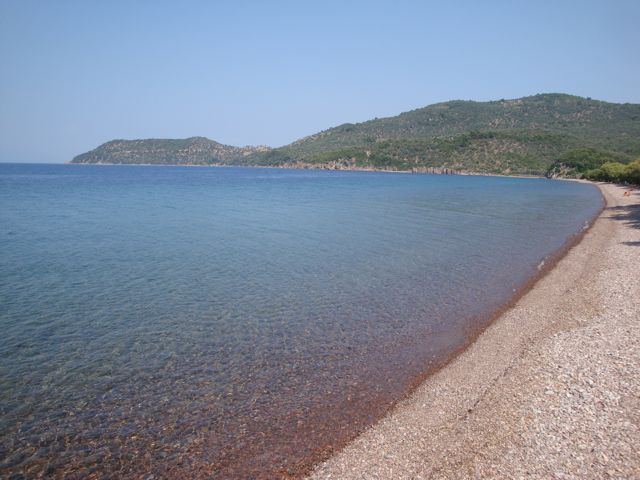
[[550, 390]]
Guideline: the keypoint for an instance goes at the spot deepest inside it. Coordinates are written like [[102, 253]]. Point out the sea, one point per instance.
[[213, 322]]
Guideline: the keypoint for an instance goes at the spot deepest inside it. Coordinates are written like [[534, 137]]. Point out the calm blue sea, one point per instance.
[[232, 322]]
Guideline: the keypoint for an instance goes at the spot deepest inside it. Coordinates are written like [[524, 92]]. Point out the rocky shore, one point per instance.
[[549, 390], [351, 166]]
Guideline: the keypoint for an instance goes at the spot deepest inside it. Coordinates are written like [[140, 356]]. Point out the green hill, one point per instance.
[[188, 151], [524, 136], [497, 152]]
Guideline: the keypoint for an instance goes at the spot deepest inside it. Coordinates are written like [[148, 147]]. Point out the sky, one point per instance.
[[75, 74]]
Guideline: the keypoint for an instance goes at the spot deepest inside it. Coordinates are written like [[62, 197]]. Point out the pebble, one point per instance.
[[531, 417]]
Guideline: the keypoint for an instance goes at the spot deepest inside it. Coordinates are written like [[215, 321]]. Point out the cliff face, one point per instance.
[[189, 151]]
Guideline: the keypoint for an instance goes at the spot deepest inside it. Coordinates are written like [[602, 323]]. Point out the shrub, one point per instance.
[[616, 172]]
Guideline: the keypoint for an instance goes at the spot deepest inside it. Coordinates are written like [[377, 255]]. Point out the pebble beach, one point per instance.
[[550, 390]]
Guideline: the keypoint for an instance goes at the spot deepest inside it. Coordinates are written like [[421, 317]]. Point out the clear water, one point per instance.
[[239, 323]]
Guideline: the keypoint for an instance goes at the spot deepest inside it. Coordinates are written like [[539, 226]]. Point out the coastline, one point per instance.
[[549, 390], [320, 166]]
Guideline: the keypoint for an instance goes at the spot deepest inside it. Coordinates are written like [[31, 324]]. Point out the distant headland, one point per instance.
[[545, 134]]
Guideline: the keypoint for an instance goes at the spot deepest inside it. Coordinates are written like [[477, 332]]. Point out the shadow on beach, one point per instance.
[[629, 214]]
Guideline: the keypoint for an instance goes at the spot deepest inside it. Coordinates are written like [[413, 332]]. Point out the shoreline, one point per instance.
[[547, 265], [448, 427], [325, 167]]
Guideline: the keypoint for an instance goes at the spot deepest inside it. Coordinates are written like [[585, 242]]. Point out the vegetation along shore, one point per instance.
[[556, 135]]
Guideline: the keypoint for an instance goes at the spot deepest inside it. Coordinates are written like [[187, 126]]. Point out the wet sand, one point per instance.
[[550, 390]]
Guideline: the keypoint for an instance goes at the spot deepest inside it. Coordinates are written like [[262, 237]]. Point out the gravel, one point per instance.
[[550, 390]]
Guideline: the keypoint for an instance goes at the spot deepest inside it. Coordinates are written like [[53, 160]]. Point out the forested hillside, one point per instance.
[[529, 135]]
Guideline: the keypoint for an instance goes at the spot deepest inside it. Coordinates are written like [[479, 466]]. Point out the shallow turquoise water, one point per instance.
[[238, 322]]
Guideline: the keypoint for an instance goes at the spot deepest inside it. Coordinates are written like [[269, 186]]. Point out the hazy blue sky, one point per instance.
[[74, 74]]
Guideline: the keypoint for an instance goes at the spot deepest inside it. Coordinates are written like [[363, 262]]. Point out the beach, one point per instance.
[[550, 390]]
